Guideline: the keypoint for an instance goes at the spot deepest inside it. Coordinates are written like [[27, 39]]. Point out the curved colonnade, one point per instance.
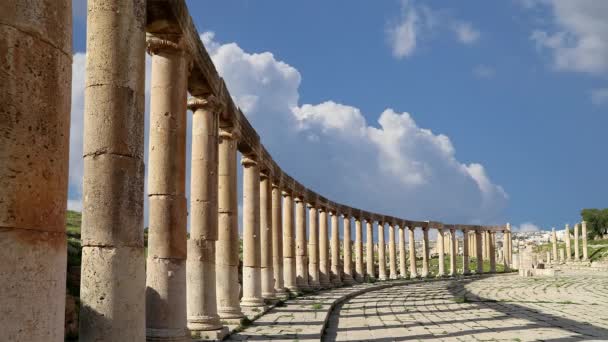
[[186, 285]]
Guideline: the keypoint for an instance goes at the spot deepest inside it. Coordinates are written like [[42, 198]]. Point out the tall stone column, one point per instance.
[[113, 276], [584, 237], [412, 243], [359, 269], [347, 251], [277, 240], [227, 245], [336, 277], [492, 253], [465, 252], [568, 244], [289, 245], [252, 280], [402, 258], [392, 251], [324, 268], [425, 252], [266, 240], [200, 265], [440, 252], [479, 250], [381, 252], [576, 253], [313, 247], [453, 251], [369, 249], [301, 258], [36, 69], [554, 243]]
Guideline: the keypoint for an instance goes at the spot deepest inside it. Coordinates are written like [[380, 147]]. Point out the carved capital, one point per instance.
[[249, 160], [209, 103], [156, 44], [229, 133]]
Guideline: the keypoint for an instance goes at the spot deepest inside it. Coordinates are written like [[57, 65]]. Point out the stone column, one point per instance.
[[336, 278], [478, 244], [412, 243], [200, 265], [277, 240], [453, 250], [392, 251], [113, 276], [440, 252], [465, 252], [576, 254], [584, 236], [301, 258], [562, 255], [289, 246], [554, 243], [369, 249], [36, 69], [402, 258], [568, 244], [492, 240], [313, 247], [266, 261], [425, 252], [381, 252], [359, 269], [324, 269], [252, 280], [227, 245], [347, 251], [549, 257]]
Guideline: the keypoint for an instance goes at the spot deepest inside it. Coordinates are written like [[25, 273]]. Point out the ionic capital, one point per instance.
[[158, 43], [249, 160], [209, 103], [229, 133]]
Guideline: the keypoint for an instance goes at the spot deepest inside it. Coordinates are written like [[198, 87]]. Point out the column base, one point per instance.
[[383, 278], [253, 311], [325, 284], [440, 275], [394, 277], [252, 302], [209, 335], [269, 296], [204, 323], [467, 272], [180, 335], [348, 280], [359, 278], [414, 276], [230, 313], [316, 285], [281, 293]]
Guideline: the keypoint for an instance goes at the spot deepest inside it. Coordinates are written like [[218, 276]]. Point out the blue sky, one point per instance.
[[505, 102]]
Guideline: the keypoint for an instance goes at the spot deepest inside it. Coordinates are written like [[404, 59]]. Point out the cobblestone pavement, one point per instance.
[[496, 308]]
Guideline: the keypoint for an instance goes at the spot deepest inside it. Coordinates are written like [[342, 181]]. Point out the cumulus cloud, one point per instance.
[[526, 227], [599, 96], [417, 22], [577, 37], [392, 166]]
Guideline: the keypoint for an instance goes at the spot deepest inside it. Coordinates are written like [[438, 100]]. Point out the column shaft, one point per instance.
[[301, 257], [200, 265], [36, 69], [425, 252], [576, 251], [453, 251], [113, 276], [412, 243], [324, 269], [336, 277], [392, 251], [277, 241], [554, 243], [492, 241], [266, 238], [313, 247], [289, 246], [369, 248], [402, 258], [381, 252], [479, 250], [584, 237], [465, 252], [347, 251], [227, 245], [359, 269], [440, 252], [568, 244], [252, 281]]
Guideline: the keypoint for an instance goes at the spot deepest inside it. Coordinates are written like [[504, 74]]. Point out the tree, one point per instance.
[[597, 221]]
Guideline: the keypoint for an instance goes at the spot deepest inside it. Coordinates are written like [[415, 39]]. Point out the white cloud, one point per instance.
[[393, 166], [578, 35], [484, 71], [526, 227], [466, 33], [418, 22], [599, 96]]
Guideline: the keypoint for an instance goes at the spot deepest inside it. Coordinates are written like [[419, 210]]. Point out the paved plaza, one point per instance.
[[498, 308]]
